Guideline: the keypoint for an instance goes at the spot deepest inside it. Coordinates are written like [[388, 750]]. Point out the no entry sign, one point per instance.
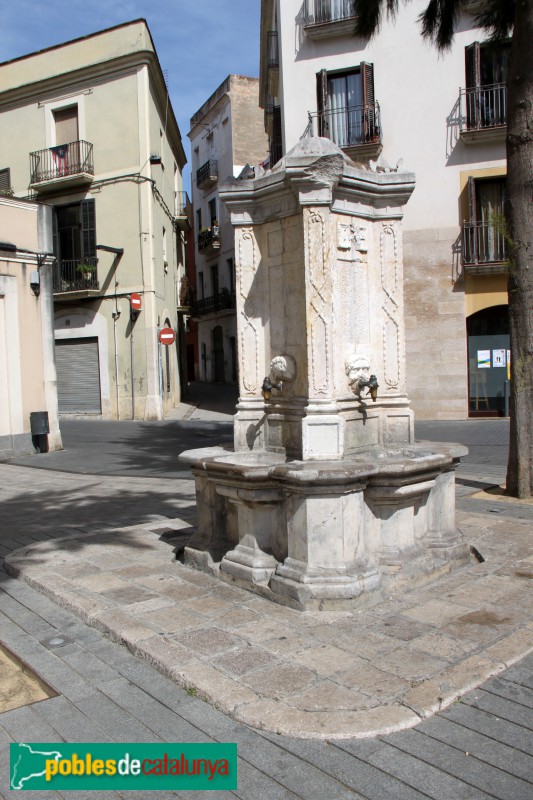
[[167, 336], [135, 301]]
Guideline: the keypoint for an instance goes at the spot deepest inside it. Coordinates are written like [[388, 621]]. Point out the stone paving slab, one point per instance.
[[323, 675]]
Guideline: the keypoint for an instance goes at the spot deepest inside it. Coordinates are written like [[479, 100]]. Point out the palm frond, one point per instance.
[[370, 14]]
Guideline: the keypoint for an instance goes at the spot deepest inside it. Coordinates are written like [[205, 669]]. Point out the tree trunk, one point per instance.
[[519, 216]]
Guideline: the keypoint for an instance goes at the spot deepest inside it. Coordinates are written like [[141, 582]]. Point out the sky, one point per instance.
[[199, 42]]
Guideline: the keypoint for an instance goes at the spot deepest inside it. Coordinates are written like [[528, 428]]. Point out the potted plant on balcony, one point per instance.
[[87, 273]]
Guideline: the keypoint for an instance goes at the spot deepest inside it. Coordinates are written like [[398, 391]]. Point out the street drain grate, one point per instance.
[[19, 684]]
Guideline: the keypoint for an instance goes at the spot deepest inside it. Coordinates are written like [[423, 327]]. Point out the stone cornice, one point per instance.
[[317, 179]]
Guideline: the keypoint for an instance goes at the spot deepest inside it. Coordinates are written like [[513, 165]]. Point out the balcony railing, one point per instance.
[[484, 107], [483, 244], [74, 158], [183, 204], [75, 275], [207, 174], [209, 238], [222, 301], [348, 127], [320, 11], [182, 211]]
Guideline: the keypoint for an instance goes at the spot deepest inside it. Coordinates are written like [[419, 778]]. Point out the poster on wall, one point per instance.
[[483, 359], [499, 358], [508, 365]]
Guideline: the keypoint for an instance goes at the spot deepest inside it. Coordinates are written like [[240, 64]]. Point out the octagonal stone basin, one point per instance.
[[261, 464]]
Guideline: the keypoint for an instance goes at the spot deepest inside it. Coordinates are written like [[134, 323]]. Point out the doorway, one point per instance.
[[489, 361]]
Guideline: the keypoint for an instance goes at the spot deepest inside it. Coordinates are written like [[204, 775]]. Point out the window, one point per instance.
[[213, 210], [75, 245], [276, 141], [214, 279], [201, 287], [75, 231], [66, 125], [199, 219], [5, 182], [486, 67], [231, 274], [484, 239], [319, 11], [347, 107]]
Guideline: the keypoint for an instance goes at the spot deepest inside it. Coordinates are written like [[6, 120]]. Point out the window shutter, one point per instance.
[[472, 233], [88, 228], [371, 131], [473, 82], [472, 209], [5, 180], [472, 66], [322, 102]]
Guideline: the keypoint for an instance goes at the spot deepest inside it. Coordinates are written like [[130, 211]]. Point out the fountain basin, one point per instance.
[[326, 534]]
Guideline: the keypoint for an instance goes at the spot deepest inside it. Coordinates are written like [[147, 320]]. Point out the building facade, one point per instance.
[[87, 127], [226, 134], [28, 394], [393, 103]]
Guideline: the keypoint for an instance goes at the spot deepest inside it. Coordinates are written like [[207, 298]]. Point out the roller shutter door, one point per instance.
[[78, 376]]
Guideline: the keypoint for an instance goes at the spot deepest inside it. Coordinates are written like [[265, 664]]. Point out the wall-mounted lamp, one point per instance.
[[266, 388], [35, 283], [373, 386]]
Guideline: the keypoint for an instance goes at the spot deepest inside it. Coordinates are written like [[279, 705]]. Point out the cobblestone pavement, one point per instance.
[[312, 675], [273, 668]]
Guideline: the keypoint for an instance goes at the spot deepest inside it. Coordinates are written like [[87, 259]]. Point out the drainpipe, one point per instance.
[[132, 376], [116, 315]]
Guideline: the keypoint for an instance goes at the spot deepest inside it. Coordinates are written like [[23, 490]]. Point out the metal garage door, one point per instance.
[[78, 376]]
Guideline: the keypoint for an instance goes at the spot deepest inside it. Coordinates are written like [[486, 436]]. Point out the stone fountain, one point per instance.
[[325, 500]]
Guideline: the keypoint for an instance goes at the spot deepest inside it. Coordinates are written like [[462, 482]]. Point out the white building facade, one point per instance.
[[226, 134], [395, 103]]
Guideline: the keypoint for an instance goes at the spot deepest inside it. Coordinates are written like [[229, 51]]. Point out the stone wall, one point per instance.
[[250, 142], [435, 325]]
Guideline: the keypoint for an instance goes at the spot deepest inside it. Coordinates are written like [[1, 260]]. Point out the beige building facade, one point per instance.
[[27, 368], [394, 103], [87, 127], [226, 134]]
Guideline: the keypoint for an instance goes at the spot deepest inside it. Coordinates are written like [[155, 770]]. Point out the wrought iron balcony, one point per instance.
[[276, 153], [207, 175], [484, 247], [357, 127], [223, 301], [483, 108], [183, 211], [209, 238], [328, 18], [75, 275], [73, 160]]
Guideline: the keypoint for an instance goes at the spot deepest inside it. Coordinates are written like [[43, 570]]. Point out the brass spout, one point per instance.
[[266, 388], [373, 386]]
